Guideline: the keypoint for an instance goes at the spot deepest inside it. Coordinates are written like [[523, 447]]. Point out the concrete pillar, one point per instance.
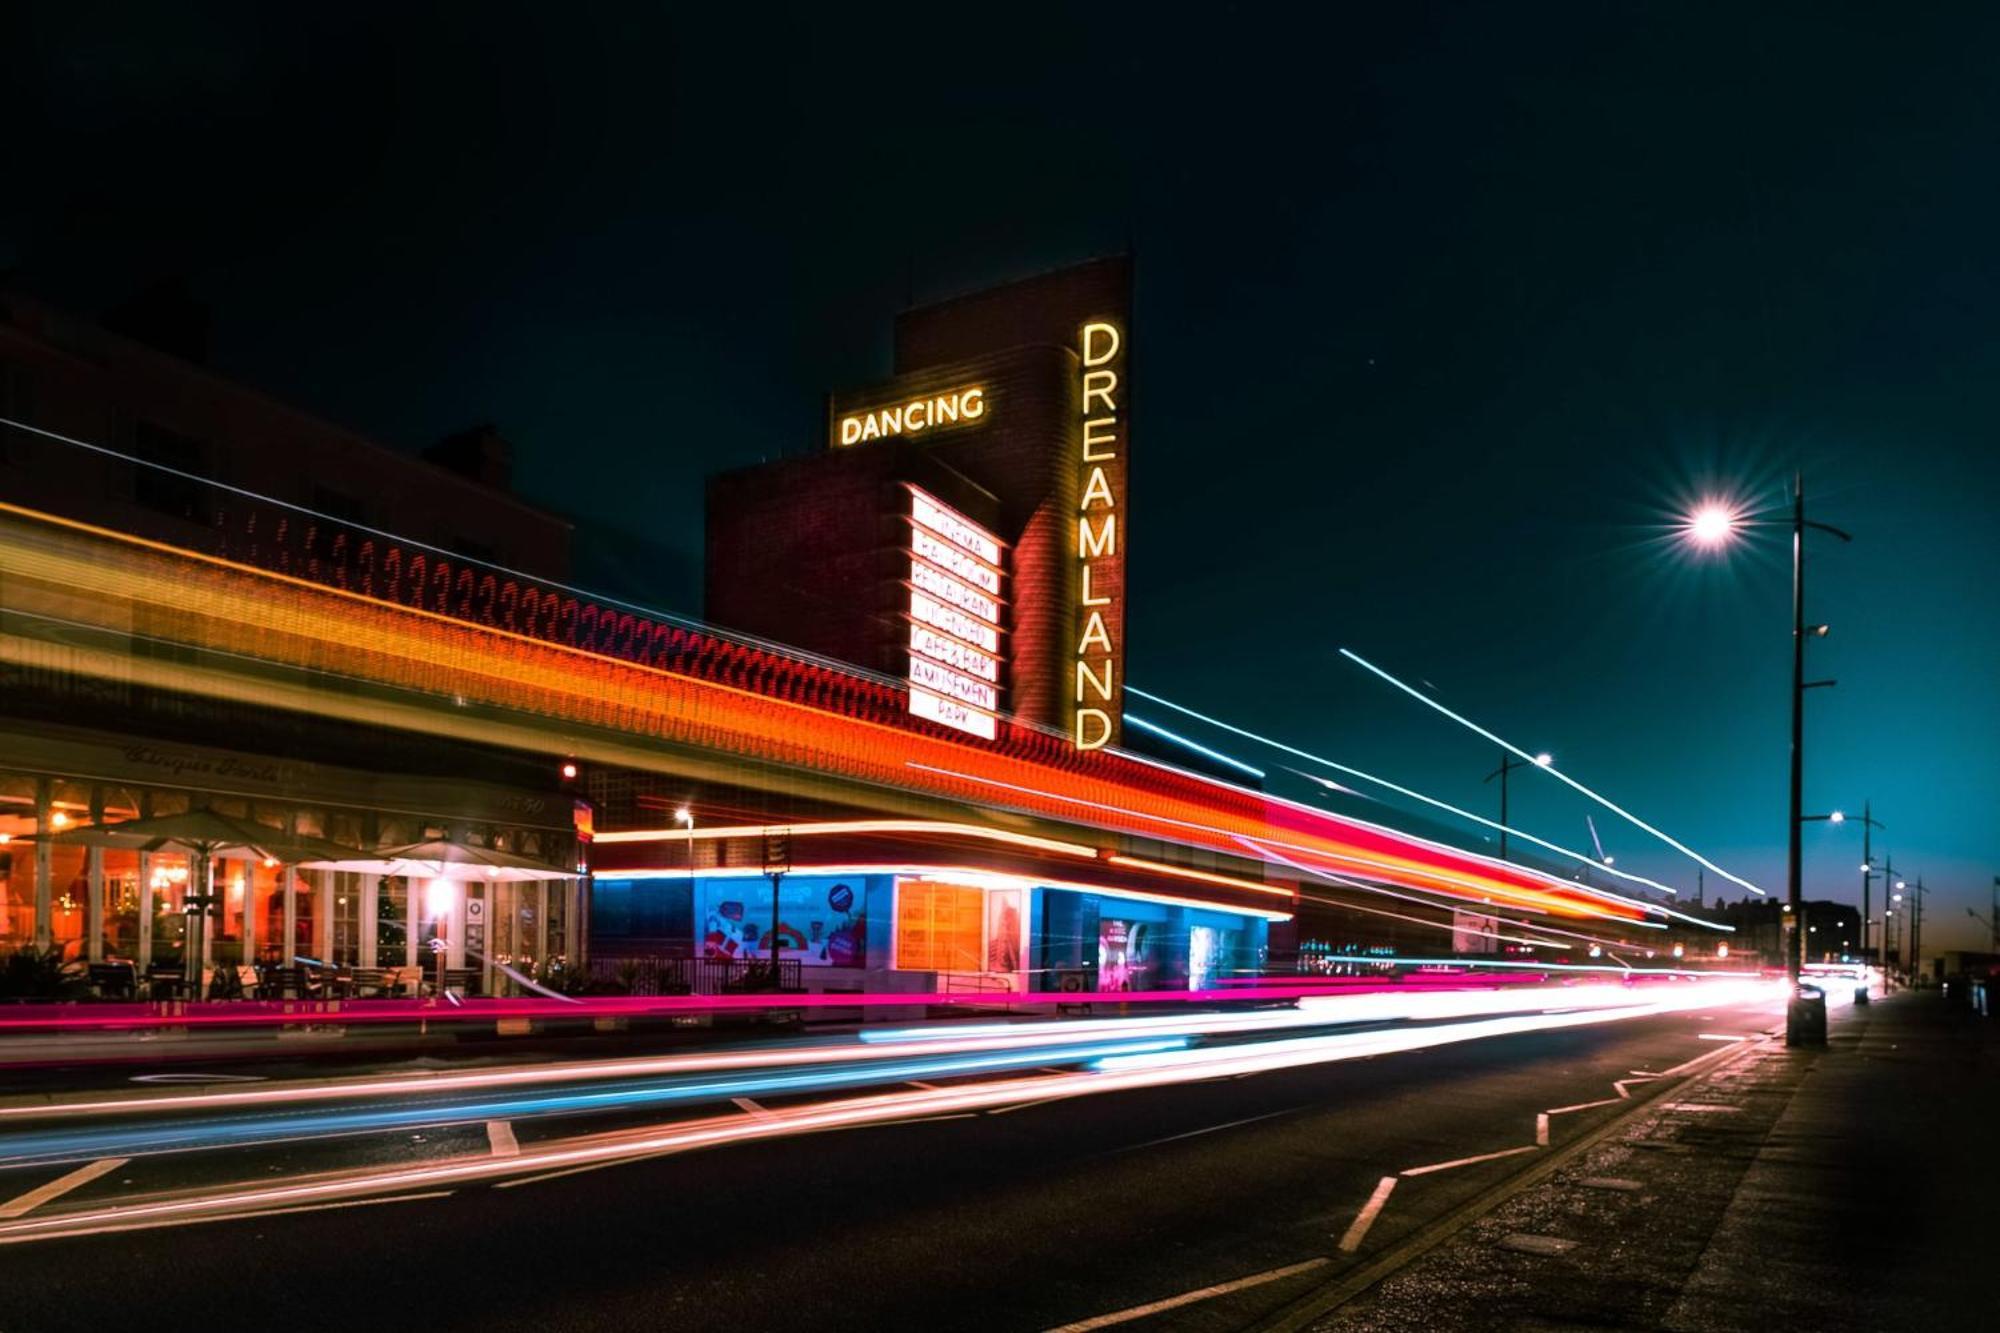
[[365, 918], [145, 911], [44, 871], [93, 910]]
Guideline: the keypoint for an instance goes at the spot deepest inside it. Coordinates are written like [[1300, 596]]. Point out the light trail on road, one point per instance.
[[1106, 1075], [1116, 1054]]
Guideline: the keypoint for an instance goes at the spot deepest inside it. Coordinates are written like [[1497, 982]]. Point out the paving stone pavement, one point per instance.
[[1847, 1188]]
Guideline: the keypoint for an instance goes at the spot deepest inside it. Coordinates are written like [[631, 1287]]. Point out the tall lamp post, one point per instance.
[[686, 816], [1868, 826], [1508, 763], [1716, 525]]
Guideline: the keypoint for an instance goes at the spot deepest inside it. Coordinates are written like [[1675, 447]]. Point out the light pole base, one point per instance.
[[1861, 995], [1805, 1020]]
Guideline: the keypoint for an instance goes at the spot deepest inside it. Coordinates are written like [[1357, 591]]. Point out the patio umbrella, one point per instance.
[[444, 859], [206, 837]]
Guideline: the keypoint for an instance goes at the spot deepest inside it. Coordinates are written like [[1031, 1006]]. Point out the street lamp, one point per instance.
[[1508, 763], [1713, 526], [686, 816], [438, 897]]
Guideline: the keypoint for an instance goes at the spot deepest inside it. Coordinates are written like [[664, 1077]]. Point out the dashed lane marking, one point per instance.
[[1197, 1133], [500, 1134], [1542, 1130], [1190, 1297], [61, 1185], [750, 1108], [1358, 1231]]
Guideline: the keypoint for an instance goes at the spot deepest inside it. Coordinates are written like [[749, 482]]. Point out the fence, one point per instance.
[[694, 976]]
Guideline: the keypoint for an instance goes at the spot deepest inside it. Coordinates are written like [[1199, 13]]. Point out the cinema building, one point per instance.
[[958, 534]]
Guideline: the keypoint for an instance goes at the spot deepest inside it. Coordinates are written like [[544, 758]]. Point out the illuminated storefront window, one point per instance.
[[939, 927]]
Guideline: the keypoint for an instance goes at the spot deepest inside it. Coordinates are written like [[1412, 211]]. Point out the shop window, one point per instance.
[[939, 927], [121, 901], [345, 937]]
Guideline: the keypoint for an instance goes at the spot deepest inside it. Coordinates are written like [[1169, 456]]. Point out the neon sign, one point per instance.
[[956, 407], [1101, 560], [954, 614]]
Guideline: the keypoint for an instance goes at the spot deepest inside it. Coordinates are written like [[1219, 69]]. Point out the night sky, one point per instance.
[[1442, 312]]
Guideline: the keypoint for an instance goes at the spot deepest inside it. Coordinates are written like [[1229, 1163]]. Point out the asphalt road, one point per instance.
[[1022, 1217]]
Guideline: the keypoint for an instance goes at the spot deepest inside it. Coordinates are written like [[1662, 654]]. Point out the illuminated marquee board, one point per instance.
[[1100, 631], [955, 407], [954, 614]]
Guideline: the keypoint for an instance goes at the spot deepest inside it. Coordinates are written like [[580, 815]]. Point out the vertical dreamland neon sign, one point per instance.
[[1101, 574]]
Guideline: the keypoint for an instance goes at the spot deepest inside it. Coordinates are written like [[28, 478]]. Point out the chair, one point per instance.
[[165, 983], [114, 981], [369, 981], [283, 983]]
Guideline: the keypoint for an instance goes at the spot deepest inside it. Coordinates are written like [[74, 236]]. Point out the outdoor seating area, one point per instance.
[[121, 980]]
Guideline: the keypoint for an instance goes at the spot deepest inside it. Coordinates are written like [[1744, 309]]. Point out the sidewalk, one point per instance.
[[1847, 1188]]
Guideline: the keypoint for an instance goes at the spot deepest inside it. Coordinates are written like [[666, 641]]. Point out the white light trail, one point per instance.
[[235, 1199], [1132, 719], [1550, 769], [1394, 787]]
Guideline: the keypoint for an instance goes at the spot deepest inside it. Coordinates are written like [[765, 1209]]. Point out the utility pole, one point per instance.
[[1508, 763], [1917, 931], [1800, 1029], [1868, 826]]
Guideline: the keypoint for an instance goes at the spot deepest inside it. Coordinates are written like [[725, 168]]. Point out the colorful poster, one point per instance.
[[1003, 930], [1204, 946], [821, 920]]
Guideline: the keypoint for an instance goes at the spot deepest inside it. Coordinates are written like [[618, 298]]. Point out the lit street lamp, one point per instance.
[[1713, 526], [686, 816]]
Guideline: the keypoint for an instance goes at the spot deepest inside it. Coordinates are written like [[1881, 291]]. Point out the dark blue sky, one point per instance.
[[1442, 310]]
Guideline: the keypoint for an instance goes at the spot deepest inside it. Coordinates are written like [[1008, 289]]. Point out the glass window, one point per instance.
[[392, 917], [169, 873], [346, 935], [121, 904], [939, 927]]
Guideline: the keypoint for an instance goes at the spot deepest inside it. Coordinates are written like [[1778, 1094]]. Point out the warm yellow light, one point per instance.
[[59, 819]]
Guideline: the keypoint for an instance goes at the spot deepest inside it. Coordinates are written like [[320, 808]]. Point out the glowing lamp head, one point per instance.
[[569, 772], [1545, 759], [1711, 526], [1836, 818], [1722, 951], [59, 819], [684, 816], [437, 896]]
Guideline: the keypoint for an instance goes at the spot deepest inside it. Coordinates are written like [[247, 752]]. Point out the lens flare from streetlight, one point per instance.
[[1711, 525]]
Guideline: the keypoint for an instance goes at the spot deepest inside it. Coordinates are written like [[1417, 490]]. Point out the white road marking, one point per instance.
[[750, 1108], [500, 1134], [1351, 1241], [918, 1083], [1189, 1298], [154, 1223], [1469, 1161], [61, 1185], [1720, 1036], [1197, 1133], [1542, 1130], [1022, 1106], [1701, 1106], [1585, 1106]]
